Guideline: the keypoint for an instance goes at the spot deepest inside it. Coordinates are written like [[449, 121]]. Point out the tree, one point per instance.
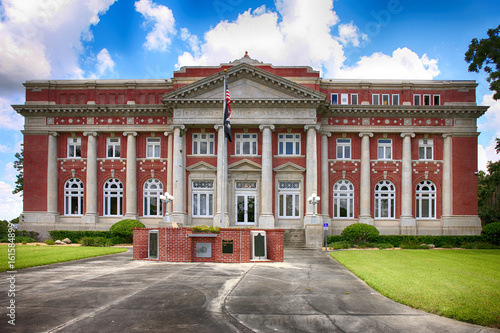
[[19, 166], [497, 147], [486, 52]]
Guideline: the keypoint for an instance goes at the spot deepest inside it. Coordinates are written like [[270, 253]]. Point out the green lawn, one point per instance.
[[31, 256], [459, 284]]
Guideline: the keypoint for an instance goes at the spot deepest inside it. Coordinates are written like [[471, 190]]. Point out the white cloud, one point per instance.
[[9, 118], [104, 62], [349, 34], [11, 205], [403, 64], [162, 19], [489, 126]]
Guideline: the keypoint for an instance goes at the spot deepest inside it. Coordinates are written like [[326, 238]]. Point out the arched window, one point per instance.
[[113, 197], [73, 197], [343, 199], [385, 200], [152, 190], [426, 200]]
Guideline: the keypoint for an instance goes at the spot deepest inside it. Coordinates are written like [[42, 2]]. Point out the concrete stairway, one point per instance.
[[295, 238]]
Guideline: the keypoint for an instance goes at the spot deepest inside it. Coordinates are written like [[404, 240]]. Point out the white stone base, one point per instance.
[[408, 225], [461, 225], [314, 236], [90, 219], [310, 219], [365, 219], [178, 218], [266, 221]]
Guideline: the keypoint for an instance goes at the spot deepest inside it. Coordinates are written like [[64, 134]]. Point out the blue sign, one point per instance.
[[325, 225]]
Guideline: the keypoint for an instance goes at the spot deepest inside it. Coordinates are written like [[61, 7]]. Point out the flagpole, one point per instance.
[[223, 190]]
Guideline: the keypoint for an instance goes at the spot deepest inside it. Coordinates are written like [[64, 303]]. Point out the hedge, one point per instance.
[[75, 236], [397, 240]]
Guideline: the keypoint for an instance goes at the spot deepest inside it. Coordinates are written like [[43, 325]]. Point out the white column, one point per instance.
[[52, 210], [266, 218], [91, 215], [325, 183], [179, 177], [131, 177], [220, 179], [447, 174], [407, 221], [311, 171], [365, 186], [169, 169]]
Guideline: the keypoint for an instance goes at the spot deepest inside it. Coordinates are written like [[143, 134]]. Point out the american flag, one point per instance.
[[227, 113]]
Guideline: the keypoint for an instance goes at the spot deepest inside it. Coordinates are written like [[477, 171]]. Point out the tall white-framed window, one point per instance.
[[437, 99], [289, 199], [343, 199], [203, 143], [289, 144], [344, 99], [153, 147], [416, 100], [425, 149], [354, 99], [203, 198], [75, 147], [385, 99], [375, 99], [73, 197], [343, 149], [245, 143], [335, 99], [395, 99], [152, 190], [385, 200], [384, 149], [113, 147], [426, 100], [425, 200], [113, 197]]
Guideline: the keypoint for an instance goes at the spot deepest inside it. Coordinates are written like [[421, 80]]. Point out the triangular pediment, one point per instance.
[[246, 83], [245, 165], [200, 167], [289, 167]]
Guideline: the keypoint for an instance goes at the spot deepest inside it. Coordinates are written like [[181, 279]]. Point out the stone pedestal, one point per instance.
[[314, 236]]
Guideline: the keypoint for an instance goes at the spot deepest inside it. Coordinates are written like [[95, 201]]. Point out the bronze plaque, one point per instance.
[[227, 246]]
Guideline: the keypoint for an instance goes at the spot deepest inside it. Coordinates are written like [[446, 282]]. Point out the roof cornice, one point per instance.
[[374, 110]]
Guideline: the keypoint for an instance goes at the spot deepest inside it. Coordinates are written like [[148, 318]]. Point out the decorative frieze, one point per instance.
[[106, 121], [389, 121]]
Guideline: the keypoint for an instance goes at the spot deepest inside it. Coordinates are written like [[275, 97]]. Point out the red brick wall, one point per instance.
[[35, 173], [464, 152]]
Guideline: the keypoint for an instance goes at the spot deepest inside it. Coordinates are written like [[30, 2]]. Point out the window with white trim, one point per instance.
[[289, 199], [375, 99], [395, 99], [344, 99], [289, 144], [152, 190], [425, 200], [343, 199], [335, 99], [245, 143], [113, 197], [343, 149], [75, 147], [113, 147], [385, 200], [153, 147], [416, 99], [203, 198], [437, 99], [385, 99], [203, 143], [425, 149], [73, 197], [354, 99], [384, 149], [427, 100]]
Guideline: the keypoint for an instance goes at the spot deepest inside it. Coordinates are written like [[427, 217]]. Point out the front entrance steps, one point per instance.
[[295, 239]]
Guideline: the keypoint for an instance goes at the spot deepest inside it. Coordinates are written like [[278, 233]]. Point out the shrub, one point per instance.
[[96, 241], [87, 241], [206, 228], [360, 233], [491, 233], [382, 246], [117, 240], [50, 242], [340, 245], [76, 236], [123, 229], [413, 246]]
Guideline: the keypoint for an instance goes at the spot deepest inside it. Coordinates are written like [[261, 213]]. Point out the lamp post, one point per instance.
[[314, 200], [167, 198]]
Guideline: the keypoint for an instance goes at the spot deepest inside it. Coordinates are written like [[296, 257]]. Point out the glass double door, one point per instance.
[[246, 208]]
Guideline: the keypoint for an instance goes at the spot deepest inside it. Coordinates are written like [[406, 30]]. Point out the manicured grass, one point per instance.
[[459, 284], [31, 256]]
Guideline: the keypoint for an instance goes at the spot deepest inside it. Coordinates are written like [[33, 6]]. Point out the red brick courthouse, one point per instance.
[[397, 154]]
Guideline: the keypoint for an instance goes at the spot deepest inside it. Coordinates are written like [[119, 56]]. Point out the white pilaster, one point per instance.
[[407, 221], [221, 202], [131, 177], [266, 218], [447, 174], [52, 210], [179, 177], [168, 189], [365, 186], [311, 171], [325, 183], [91, 215]]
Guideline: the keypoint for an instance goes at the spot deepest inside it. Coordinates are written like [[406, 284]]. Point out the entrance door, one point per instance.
[[245, 208]]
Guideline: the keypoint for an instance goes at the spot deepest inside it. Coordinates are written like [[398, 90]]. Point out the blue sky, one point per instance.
[[107, 39]]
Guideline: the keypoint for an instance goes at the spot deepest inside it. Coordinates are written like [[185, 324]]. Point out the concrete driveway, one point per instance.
[[309, 292]]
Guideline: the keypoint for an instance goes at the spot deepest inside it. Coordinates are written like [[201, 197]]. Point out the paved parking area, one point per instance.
[[309, 292]]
